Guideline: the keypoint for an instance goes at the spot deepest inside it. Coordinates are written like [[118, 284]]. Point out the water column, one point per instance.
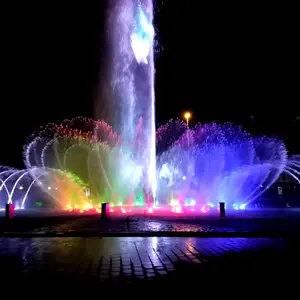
[[130, 37]]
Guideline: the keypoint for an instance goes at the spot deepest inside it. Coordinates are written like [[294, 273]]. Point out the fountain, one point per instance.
[[214, 163], [81, 163]]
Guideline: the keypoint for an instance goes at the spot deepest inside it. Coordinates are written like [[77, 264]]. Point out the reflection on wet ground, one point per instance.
[[155, 225], [133, 225], [281, 221], [172, 262], [129, 260], [95, 224]]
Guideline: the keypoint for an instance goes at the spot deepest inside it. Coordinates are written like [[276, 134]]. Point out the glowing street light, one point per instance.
[[187, 116]]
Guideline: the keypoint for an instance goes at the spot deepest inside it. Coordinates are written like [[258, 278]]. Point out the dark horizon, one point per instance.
[[222, 63]]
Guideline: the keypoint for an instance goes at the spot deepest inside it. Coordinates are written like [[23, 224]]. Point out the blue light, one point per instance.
[[242, 206], [189, 202], [239, 206]]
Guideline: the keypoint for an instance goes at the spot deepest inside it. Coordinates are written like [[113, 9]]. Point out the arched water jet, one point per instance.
[[293, 167], [48, 144], [64, 185], [28, 190], [5, 187], [16, 183], [10, 176]]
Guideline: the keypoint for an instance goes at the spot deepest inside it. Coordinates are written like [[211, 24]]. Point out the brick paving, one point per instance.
[[146, 262], [270, 221], [95, 224], [252, 221], [112, 261]]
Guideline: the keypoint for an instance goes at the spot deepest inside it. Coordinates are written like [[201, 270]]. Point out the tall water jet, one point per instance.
[[130, 68]]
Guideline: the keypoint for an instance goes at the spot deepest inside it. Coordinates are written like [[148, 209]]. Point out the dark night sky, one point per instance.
[[221, 62]]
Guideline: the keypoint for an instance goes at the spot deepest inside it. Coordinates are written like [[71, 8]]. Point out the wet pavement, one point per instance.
[[270, 221], [89, 263], [94, 225]]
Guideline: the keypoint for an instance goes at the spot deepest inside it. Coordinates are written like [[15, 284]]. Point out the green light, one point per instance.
[[139, 199]]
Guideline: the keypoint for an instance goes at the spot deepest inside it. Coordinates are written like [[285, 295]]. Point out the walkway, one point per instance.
[[154, 262]]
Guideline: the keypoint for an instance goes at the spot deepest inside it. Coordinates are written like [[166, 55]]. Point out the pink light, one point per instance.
[[177, 209], [203, 209], [168, 210]]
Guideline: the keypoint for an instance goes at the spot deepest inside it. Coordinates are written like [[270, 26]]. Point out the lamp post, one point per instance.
[[187, 117]]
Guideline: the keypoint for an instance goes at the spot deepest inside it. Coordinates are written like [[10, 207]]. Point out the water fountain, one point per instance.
[[82, 162], [214, 163]]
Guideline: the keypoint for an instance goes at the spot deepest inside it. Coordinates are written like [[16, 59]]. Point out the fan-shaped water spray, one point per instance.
[[214, 163], [94, 153], [81, 163], [293, 167]]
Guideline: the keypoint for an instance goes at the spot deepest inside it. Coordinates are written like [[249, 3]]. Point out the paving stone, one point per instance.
[[116, 259]]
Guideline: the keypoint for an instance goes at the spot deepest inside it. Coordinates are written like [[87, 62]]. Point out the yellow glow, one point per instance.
[[187, 115]]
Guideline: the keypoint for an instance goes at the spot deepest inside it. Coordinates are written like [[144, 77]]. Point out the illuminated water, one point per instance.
[[214, 163], [82, 162], [131, 67]]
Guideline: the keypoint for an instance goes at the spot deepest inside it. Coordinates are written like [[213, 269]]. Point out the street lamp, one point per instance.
[[187, 116]]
